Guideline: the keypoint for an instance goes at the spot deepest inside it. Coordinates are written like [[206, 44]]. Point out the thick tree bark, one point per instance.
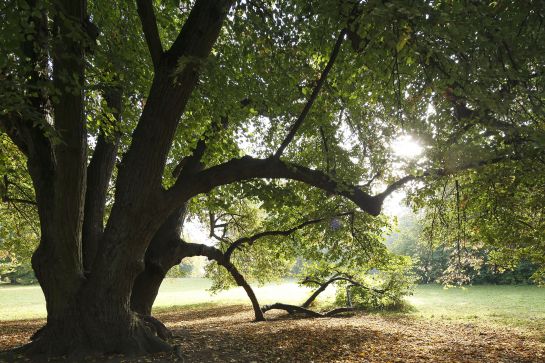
[[139, 208], [165, 251], [58, 172], [99, 173], [92, 312], [108, 323]]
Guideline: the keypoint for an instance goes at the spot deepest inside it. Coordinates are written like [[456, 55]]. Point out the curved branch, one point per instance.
[[247, 167], [212, 253], [294, 309], [319, 290], [250, 240], [314, 94], [398, 184], [475, 164]]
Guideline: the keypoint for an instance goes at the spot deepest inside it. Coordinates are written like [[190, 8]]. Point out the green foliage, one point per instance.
[[500, 210], [404, 68], [19, 226], [382, 289], [341, 239], [436, 258]]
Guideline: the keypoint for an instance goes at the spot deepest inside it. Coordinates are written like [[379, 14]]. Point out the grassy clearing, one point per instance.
[[21, 302], [516, 306], [27, 302], [194, 291]]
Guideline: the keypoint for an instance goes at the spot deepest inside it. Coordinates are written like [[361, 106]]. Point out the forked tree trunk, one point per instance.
[[148, 282], [91, 311]]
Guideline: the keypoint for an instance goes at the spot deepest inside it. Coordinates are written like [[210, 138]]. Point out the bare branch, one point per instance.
[[294, 309], [303, 309], [291, 309], [7, 199], [151, 33], [314, 94], [250, 240]]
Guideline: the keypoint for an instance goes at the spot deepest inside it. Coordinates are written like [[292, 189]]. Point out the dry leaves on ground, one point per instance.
[[227, 334]]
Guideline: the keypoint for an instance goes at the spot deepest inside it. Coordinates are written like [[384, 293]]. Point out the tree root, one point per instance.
[[38, 333], [157, 326], [148, 335]]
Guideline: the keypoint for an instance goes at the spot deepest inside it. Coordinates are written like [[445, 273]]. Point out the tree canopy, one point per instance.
[[258, 116]]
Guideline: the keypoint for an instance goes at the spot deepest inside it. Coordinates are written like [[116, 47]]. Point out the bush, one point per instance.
[[380, 289]]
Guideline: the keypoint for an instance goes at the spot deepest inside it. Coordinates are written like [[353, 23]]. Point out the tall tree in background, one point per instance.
[[318, 89]]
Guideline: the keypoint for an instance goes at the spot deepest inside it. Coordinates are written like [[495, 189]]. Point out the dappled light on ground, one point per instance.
[[227, 334]]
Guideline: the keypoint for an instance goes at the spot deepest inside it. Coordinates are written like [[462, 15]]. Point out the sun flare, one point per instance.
[[406, 147]]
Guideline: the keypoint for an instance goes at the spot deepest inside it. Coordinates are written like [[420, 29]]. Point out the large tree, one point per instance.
[[80, 92]]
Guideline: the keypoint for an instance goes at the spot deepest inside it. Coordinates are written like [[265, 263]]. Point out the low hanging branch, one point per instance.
[[304, 310], [224, 258], [250, 240], [294, 309]]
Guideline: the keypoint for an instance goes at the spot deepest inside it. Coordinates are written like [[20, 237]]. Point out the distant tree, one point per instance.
[[491, 222], [429, 257], [435, 255]]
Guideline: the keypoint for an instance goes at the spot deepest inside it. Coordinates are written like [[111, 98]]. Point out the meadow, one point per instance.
[[515, 306], [474, 324]]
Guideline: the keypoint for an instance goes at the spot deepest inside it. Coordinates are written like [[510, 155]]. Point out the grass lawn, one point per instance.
[[518, 306], [27, 302], [476, 324]]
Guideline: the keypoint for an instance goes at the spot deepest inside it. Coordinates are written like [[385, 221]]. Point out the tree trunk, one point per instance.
[[146, 287], [58, 173], [164, 252], [99, 173]]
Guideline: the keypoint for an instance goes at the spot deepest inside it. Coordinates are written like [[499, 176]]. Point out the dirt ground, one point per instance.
[[227, 334]]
